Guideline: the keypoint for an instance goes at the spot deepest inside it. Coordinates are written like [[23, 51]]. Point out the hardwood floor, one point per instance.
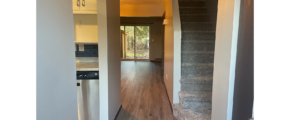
[[143, 92]]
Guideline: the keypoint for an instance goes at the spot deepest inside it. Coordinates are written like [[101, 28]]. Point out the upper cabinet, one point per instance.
[[84, 6]]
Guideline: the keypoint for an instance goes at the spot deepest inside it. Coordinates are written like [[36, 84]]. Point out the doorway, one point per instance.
[[135, 42]]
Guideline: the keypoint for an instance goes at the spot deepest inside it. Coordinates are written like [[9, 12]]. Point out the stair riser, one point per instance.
[[196, 87], [197, 58], [192, 11], [197, 46], [201, 111], [194, 18], [197, 106], [197, 27], [188, 71], [181, 114], [191, 4], [198, 35]]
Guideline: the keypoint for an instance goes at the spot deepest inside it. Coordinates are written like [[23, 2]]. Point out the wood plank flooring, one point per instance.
[[143, 92]]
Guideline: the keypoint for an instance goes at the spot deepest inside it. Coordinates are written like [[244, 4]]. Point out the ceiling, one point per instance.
[[141, 2]]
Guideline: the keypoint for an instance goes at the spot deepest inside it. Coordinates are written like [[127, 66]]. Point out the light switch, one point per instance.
[[81, 47]]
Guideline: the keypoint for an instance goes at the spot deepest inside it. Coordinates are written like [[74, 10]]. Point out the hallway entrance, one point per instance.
[[143, 92]]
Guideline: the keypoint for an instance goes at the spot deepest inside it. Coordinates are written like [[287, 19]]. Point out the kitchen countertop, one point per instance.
[[87, 66]]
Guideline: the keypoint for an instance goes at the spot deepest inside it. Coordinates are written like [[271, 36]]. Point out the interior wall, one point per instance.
[[156, 32], [244, 81], [168, 49], [56, 90], [141, 10], [225, 59], [177, 51], [109, 58], [114, 61]]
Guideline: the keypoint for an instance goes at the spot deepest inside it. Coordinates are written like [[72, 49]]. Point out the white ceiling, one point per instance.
[[141, 2]]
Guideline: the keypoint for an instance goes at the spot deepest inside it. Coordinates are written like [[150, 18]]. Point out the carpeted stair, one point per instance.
[[197, 57]]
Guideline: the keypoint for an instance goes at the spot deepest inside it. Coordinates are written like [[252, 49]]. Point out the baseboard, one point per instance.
[[118, 112], [167, 96]]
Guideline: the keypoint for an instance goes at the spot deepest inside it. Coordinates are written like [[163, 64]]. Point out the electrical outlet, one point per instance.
[[80, 24], [81, 47]]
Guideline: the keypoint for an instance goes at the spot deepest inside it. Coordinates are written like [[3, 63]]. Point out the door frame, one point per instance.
[[137, 24]]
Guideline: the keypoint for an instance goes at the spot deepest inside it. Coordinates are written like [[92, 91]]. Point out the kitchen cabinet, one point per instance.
[[86, 28], [76, 5], [84, 6]]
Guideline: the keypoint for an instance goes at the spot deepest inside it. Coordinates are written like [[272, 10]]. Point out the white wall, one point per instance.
[[172, 50], [168, 49], [177, 51], [225, 59], [56, 91], [109, 58]]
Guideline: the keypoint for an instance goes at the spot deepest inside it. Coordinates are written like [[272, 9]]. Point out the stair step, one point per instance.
[[197, 65], [188, 80], [195, 96], [197, 57], [197, 26], [185, 114], [192, 10], [199, 35], [194, 85], [202, 84], [197, 70], [191, 4], [195, 18], [196, 101], [197, 46]]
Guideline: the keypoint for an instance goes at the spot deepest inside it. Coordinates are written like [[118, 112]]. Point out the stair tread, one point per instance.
[[206, 79], [197, 52], [197, 64], [195, 96], [182, 114]]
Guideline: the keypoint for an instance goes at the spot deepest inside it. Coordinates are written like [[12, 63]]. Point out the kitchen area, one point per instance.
[[86, 55]]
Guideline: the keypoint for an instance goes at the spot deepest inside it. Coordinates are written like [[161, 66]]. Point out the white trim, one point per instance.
[[235, 32]]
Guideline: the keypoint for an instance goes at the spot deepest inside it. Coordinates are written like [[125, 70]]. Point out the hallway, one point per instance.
[[143, 92]]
